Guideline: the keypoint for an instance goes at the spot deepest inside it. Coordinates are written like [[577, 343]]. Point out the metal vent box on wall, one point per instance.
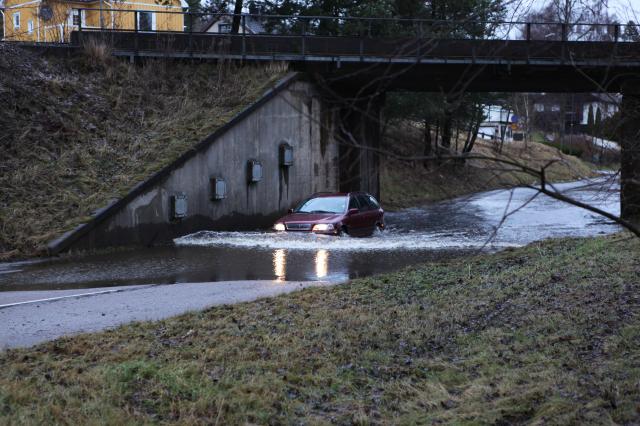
[[218, 188], [178, 206], [254, 171], [286, 155]]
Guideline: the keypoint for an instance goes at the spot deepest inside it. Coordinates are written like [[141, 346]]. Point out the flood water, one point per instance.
[[421, 234]]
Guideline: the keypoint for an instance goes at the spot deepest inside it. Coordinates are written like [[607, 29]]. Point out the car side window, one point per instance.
[[364, 203], [373, 202], [353, 203]]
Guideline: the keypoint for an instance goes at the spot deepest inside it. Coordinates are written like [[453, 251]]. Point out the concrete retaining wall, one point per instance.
[[292, 112]]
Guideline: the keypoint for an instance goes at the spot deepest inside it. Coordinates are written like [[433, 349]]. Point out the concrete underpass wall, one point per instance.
[[293, 112]]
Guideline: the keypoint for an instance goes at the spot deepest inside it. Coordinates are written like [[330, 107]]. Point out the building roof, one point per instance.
[[578, 98], [254, 26], [610, 98]]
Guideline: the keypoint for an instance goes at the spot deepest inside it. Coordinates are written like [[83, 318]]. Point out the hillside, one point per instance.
[[406, 184], [77, 134]]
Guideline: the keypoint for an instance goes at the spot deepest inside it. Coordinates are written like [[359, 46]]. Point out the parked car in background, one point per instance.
[[353, 213]]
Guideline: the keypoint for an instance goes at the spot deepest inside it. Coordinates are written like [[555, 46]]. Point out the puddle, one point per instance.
[[438, 231]]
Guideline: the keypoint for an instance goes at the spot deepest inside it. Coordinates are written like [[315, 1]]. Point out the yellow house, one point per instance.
[[53, 20]]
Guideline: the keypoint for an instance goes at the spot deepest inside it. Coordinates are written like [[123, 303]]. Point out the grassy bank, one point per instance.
[[404, 184], [79, 133], [548, 333]]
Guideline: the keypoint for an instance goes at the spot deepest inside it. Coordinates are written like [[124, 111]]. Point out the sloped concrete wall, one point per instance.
[[293, 112]]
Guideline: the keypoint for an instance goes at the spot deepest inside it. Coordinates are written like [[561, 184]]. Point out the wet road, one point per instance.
[[243, 266], [26, 324]]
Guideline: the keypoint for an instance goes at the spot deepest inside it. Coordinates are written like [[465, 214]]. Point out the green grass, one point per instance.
[[544, 334], [79, 133]]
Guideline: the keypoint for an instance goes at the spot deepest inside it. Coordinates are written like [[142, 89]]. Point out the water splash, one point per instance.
[[380, 241]]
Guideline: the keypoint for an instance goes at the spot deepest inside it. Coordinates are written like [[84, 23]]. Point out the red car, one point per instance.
[[353, 213]]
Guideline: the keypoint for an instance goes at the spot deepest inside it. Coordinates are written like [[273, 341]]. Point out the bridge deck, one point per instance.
[[528, 65], [362, 49]]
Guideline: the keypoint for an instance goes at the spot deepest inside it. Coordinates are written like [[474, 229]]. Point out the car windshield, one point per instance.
[[323, 205]]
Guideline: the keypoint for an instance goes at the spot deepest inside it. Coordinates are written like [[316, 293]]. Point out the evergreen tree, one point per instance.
[[590, 122], [631, 32], [473, 13], [215, 6]]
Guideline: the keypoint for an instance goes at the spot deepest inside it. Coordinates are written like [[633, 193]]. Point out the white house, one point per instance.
[[608, 104], [498, 122], [222, 24]]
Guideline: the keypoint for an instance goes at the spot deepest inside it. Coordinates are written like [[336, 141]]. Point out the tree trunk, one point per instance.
[[427, 142], [630, 154], [456, 138], [237, 12], [475, 126], [474, 135], [446, 129]]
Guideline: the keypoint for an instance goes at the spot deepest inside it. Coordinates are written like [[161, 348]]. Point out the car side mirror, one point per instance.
[[290, 211], [352, 211]]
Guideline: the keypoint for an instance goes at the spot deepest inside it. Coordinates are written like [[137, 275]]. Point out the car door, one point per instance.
[[369, 215], [355, 222], [375, 207]]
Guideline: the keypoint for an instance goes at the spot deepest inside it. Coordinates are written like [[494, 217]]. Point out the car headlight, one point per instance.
[[323, 227], [279, 227]]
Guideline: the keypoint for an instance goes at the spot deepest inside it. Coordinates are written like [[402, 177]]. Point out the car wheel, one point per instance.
[[380, 227], [343, 231]]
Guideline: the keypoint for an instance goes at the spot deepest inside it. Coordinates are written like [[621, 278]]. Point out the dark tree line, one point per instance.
[[450, 124], [473, 12]]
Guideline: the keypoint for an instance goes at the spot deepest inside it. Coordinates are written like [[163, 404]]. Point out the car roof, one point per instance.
[[338, 194]]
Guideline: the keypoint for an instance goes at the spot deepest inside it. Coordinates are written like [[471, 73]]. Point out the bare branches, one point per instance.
[[539, 175], [561, 197]]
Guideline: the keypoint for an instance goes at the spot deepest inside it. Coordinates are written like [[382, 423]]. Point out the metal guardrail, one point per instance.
[[374, 27]]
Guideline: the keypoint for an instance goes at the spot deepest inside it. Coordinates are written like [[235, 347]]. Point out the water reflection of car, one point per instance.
[[353, 213]]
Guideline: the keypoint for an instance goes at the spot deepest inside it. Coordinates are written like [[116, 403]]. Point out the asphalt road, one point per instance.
[[31, 317]]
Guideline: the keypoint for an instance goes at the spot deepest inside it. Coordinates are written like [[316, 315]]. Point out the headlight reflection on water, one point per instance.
[[322, 263], [321, 260], [280, 264]]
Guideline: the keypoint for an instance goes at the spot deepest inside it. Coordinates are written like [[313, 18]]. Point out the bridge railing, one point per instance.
[[158, 20]]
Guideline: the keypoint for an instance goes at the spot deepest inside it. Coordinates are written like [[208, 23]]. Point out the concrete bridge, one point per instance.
[[364, 57]]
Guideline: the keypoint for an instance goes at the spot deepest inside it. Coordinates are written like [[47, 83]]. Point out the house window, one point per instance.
[[555, 108], [224, 28], [539, 107], [146, 21], [30, 27], [75, 17], [16, 20]]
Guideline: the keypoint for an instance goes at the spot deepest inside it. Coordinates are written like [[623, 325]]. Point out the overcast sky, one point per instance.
[[624, 10]]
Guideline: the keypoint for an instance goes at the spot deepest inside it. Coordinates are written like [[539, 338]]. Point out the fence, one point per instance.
[[152, 21]]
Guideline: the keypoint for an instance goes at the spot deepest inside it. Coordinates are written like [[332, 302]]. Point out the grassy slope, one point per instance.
[[78, 134], [405, 184], [548, 333]]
